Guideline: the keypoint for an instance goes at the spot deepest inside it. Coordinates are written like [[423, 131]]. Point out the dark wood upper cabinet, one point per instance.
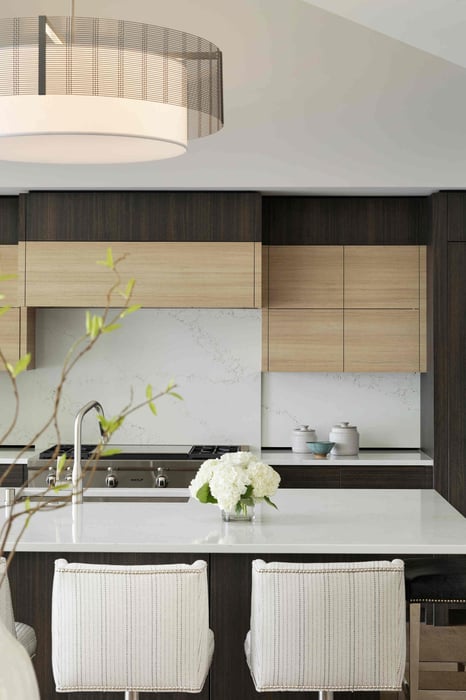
[[8, 220], [143, 216], [456, 216], [344, 220]]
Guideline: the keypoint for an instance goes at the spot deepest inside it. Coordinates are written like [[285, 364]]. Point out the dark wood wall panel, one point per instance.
[[8, 220], [344, 220], [143, 216], [457, 374], [434, 384], [456, 216]]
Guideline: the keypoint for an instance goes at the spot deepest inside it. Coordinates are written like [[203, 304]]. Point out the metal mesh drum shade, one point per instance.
[[93, 90]]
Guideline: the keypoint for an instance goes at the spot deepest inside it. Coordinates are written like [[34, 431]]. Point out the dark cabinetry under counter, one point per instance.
[[360, 477], [16, 477]]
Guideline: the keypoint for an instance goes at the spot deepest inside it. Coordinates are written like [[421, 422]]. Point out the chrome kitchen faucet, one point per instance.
[[77, 474]]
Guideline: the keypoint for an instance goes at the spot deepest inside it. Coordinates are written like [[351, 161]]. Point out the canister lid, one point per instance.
[[344, 425], [303, 428]]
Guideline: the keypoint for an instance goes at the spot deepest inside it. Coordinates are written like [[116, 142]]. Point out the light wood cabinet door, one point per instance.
[[305, 277], [305, 340], [381, 277], [422, 308], [182, 274], [382, 340], [17, 335], [9, 266]]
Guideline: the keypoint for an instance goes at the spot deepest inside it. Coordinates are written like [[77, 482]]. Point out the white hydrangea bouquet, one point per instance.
[[235, 482]]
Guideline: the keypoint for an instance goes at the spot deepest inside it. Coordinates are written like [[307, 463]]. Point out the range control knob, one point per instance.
[[111, 480], [51, 478], [161, 480]]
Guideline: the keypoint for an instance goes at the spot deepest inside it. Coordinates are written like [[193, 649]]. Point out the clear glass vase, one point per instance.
[[246, 514]]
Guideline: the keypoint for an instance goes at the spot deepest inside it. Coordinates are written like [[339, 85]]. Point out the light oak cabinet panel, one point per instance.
[[422, 308], [305, 277], [305, 340], [9, 266], [379, 292], [17, 335], [382, 340], [187, 274], [381, 277]]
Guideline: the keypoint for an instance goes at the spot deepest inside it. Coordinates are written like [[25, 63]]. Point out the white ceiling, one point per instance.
[[314, 102], [435, 26]]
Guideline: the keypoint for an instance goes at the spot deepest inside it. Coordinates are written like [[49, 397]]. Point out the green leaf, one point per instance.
[[111, 327], [130, 310], [5, 278], [110, 451], [152, 408], [10, 368], [271, 503], [108, 262], [20, 366], [149, 391], [88, 322], [247, 493], [58, 488], [129, 290], [104, 422], [61, 464], [177, 396], [27, 503], [4, 309], [170, 384], [204, 494]]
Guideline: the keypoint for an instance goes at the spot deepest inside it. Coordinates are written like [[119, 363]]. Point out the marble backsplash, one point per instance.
[[385, 407], [214, 355]]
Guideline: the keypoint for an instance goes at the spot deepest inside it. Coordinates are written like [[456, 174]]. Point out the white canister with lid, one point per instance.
[[300, 436], [346, 439]]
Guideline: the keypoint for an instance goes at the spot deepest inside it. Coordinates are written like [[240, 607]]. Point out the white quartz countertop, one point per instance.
[[350, 521], [281, 457], [380, 458]]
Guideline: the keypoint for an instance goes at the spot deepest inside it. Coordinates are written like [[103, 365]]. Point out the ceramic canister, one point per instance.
[[300, 436], [346, 439]]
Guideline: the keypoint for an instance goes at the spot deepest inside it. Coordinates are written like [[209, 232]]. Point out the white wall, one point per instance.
[[214, 355]]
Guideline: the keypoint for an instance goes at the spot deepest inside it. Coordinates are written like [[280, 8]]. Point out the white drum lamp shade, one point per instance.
[[93, 90]]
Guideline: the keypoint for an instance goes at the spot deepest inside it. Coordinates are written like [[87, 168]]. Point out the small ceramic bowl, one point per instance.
[[320, 450]]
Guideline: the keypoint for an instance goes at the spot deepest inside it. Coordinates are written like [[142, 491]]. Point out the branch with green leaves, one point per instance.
[[96, 325]]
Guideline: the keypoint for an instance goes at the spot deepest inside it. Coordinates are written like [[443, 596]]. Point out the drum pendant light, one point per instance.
[[93, 90]]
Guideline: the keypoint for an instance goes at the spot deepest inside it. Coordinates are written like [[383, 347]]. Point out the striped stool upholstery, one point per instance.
[[23, 633], [437, 655], [130, 628], [327, 627]]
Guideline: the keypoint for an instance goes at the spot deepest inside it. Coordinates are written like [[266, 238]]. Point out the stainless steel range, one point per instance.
[[147, 466]]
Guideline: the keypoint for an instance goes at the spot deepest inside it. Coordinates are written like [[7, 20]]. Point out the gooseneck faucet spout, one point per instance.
[[77, 474]]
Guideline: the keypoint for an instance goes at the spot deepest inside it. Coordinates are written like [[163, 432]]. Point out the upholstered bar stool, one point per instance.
[[133, 629], [25, 634], [327, 627], [437, 654]]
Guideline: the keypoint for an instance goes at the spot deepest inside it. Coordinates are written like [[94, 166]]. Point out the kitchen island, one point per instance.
[[310, 525]]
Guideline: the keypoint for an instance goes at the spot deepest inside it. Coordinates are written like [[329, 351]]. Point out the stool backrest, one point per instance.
[[327, 626], [6, 606], [130, 627]]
